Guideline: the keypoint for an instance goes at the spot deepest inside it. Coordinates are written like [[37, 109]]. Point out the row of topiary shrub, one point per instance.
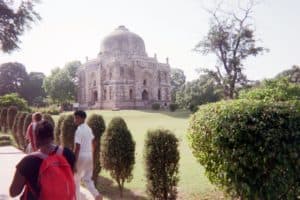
[[117, 153], [172, 106], [250, 148], [16, 122]]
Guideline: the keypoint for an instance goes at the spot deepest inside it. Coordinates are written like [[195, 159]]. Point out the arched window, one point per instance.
[[94, 83], [166, 94], [110, 74], [95, 96], [145, 95], [121, 72], [145, 82], [159, 94], [110, 93], [158, 77], [130, 94], [104, 94]]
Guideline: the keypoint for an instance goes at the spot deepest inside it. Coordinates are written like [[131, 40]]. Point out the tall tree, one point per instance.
[[34, 93], [231, 39], [13, 22], [61, 84], [177, 80], [13, 77], [292, 74]]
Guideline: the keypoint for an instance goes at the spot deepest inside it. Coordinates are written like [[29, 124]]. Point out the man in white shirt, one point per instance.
[[84, 148]]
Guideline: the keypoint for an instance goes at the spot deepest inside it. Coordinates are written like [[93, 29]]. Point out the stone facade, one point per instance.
[[123, 76]]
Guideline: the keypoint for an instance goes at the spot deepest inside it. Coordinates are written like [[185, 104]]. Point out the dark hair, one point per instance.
[[80, 113], [44, 130], [37, 116]]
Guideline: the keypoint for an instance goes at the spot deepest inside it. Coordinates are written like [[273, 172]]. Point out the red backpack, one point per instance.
[[56, 178]]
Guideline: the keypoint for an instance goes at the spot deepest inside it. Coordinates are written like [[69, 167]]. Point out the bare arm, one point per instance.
[[76, 151], [17, 184]]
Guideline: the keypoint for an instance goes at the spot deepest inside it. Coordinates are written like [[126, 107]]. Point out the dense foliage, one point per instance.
[[20, 133], [249, 148], [14, 130], [68, 129], [15, 20], [49, 118], [11, 114], [13, 99], [273, 90], [97, 124], [3, 120], [117, 152], [161, 156], [57, 129]]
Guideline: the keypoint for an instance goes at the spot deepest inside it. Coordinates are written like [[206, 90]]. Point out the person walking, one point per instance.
[[30, 133], [84, 149], [47, 173]]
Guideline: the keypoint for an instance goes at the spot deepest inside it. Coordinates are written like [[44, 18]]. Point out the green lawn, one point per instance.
[[192, 185]]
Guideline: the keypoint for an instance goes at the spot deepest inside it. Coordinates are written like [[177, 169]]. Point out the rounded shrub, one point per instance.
[[68, 129], [11, 114], [250, 148], [117, 152], [49, 118], [155, 106], [3, 120], [173, 107], [20, 133], [162, 162], [57, 129], [13, 99], [97, 124], [27, 122], [14, 130]]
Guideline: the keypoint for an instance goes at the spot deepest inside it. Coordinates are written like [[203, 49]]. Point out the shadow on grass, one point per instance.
[[111, 191], [177, 114]]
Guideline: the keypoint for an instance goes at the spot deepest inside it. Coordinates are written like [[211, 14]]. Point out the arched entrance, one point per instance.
[[145, 95], [95, 96]]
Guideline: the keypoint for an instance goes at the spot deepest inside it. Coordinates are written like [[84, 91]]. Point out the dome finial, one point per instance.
[[122, 28]]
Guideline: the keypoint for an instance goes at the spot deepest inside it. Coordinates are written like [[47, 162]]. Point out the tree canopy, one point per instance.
[[62, 83], [13, 22], [231, 39]]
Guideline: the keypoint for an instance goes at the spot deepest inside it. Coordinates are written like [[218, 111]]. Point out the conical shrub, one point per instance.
[[27, 121], [117, 152], [11, 114], [21, 135], [68, 129], [57, 130], [49, 119], [14, 130], [3, 120], [97, 124], [162, 162]]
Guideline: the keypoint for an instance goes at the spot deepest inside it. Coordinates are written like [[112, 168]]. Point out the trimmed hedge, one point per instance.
[[117, 152], [3, 120], [68, 129], [11, 114], [161, 156], [155, 106], [249, 148], [57, 129], [97, 124], [27, 121], [173, 107], [15, 129], [20, 133], [49, 118]]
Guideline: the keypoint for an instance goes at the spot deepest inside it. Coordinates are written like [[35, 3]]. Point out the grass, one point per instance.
[[193, 183]]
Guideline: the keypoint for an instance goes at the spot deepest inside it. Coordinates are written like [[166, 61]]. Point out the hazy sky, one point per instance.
[[73, 29]]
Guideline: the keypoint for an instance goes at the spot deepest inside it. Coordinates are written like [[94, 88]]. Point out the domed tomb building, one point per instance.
[[123, 76]]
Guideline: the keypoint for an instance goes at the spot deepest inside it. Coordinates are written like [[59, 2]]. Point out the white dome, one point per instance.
[[122, 41]]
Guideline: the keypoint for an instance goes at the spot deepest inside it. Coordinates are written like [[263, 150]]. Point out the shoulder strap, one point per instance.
[[59, 150]]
